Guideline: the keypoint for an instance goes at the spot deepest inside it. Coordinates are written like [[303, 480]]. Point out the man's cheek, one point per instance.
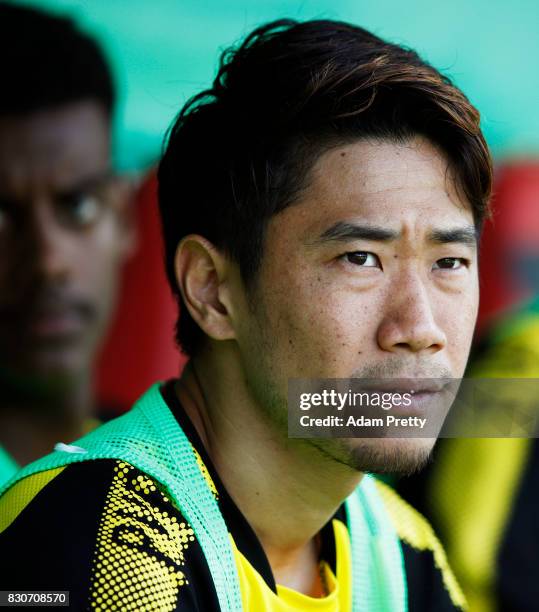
[[460, 336]]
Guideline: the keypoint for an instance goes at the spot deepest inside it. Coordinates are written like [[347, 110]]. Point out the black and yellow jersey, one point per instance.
[[108, 534]]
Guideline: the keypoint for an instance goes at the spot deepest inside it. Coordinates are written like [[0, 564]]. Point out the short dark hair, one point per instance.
[[48, 62], [241, 151]]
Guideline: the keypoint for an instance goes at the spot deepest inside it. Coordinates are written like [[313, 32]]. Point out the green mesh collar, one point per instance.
[[149, 438]]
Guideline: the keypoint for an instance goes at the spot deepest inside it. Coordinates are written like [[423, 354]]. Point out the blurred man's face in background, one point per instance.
[[63, 235]]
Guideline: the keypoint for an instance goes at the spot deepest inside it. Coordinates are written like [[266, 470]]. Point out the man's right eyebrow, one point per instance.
[[87, 183], [346, 232]]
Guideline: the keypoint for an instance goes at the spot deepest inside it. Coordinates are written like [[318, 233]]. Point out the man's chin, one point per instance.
[[46, 368], [404, 456]]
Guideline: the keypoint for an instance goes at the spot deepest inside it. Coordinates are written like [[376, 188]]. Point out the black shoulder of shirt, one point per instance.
[[431, 584], [103, 529], [426, 588]]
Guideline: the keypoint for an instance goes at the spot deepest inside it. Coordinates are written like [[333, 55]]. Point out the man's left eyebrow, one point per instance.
[[464, 235], [346, 232]]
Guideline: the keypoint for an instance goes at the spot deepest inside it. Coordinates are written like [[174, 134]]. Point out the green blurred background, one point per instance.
[[163, 51]]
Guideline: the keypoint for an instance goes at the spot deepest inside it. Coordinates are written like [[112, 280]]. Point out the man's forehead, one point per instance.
[[379, 169], [53, 149], [394, 187]]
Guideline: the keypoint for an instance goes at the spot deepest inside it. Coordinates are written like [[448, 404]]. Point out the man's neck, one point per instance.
[[265, 472], [30, 426]]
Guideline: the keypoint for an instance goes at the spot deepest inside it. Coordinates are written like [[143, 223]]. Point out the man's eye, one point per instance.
[[449, 263], [363, 259], [80, 209]]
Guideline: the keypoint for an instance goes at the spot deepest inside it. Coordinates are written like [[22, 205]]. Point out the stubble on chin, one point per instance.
[[403, 456]]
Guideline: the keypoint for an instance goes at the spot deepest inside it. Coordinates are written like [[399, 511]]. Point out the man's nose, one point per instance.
[[409, 323], [48, 246]]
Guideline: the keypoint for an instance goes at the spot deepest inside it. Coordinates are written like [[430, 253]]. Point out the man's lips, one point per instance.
[[422, 395], [49, 320], [420, 402], [414, 386], [55, 323]]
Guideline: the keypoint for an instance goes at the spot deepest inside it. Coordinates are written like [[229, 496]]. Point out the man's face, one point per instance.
[[62, 238], [372, 274]]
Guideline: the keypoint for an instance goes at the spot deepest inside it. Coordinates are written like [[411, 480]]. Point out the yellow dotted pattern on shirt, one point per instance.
[[140, 548]]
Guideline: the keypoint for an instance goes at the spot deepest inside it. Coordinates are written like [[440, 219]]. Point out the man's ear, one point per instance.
[[202, 272]]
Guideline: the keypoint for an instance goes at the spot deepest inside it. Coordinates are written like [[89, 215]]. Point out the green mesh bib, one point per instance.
[[149, 438], [8, 466]]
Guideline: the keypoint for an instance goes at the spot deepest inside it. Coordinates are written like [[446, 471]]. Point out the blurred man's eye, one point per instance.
[[80, 210]]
